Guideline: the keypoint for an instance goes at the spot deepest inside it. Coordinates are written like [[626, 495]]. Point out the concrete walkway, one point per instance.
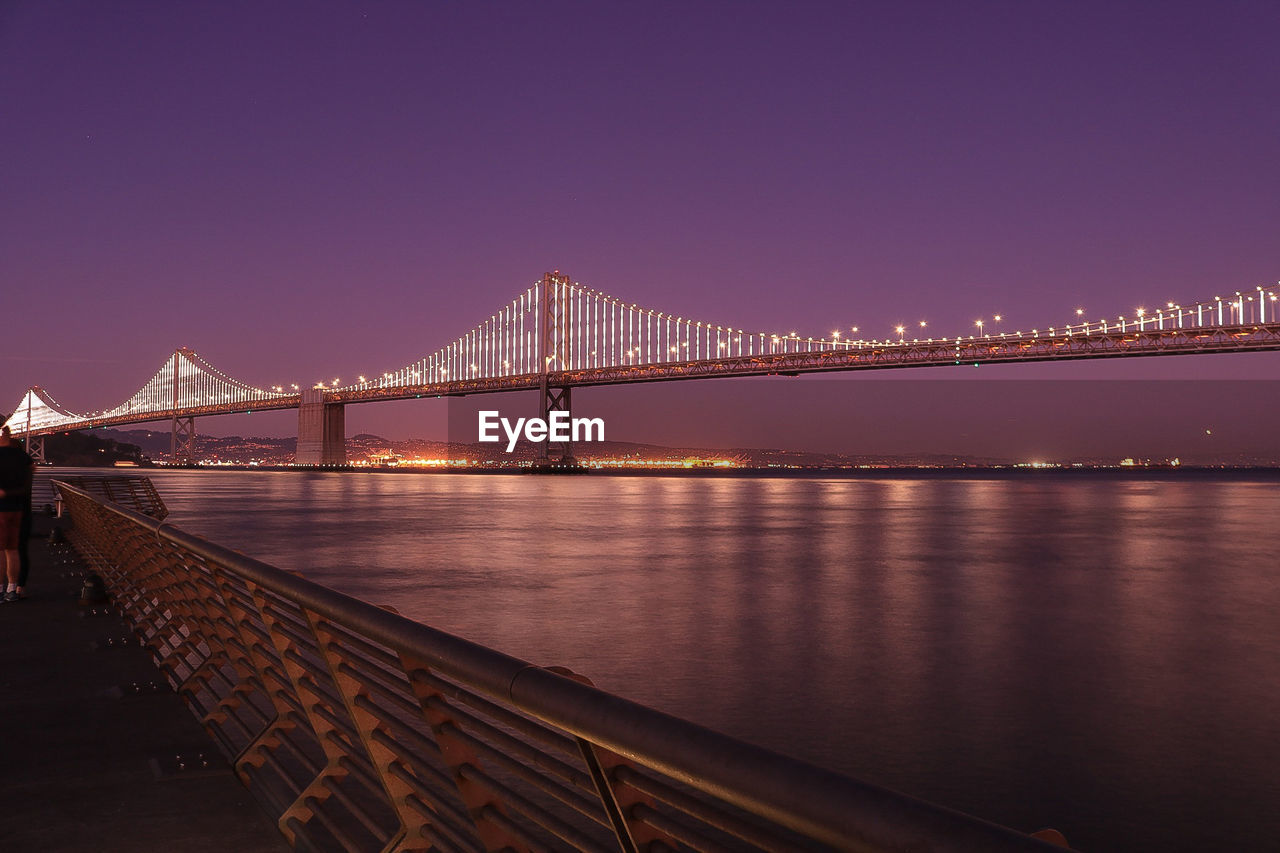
[[89, 753]]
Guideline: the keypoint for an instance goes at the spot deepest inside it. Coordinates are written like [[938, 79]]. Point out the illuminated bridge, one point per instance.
[[558, 335]]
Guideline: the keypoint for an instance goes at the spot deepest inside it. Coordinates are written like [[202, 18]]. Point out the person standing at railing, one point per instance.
[[15, 494]]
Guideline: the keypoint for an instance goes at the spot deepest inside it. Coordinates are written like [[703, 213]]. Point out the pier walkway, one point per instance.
[[89, 759]]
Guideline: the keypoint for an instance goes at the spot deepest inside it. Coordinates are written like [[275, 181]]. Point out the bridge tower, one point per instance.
[[182, 441], [35, 443], [182, 436], [554, 345]]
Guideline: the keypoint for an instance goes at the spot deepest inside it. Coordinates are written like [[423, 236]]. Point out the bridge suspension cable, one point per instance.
[[561, 326], [184, 384]]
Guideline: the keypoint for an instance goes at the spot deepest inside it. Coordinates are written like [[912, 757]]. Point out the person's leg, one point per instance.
[[24, 549], [9, 524], [12, 567]]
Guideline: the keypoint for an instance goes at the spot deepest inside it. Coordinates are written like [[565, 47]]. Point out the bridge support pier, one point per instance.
[[182, 441], [322, 431], [553, 307], [556, 452], [35, 448]]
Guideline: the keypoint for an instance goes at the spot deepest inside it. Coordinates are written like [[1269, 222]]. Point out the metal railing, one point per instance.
[[362, 730], [138, 493], [43, 492]]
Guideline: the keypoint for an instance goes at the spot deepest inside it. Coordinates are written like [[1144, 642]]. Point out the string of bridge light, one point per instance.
[[1259, 307], [595, 330]]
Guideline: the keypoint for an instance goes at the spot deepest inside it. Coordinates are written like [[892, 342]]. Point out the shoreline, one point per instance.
[[991, 472]]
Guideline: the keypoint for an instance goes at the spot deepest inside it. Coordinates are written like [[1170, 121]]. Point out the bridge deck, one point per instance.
[[83, 770]]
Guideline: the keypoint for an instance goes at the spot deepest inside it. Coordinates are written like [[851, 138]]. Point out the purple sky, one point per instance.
[[303, 191]]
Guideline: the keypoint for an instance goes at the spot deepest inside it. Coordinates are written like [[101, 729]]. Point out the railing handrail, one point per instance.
[[117, 489], [820, 804]]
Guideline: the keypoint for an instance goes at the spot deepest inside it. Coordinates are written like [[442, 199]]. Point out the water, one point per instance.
[[1098, 653]]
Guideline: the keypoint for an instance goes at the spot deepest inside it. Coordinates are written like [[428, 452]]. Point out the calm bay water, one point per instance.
[[1098, 653]]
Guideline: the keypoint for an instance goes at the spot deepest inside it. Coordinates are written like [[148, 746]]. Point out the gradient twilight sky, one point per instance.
[[308, 190]]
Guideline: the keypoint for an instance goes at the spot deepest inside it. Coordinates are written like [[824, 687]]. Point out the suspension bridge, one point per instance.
[[559, 334]]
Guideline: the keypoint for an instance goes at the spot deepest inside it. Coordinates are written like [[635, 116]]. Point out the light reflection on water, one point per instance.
[[1097, 654]]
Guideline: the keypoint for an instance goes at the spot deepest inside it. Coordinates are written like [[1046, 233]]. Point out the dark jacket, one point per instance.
[[15, 478]]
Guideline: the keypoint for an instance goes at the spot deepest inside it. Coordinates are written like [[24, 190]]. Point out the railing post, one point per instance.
[[222, 640], [617, 797], [457, 756], [255, 663], [165, 601], [411, 835], [317, 791]]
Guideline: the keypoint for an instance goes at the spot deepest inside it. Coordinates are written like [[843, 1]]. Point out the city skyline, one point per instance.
[[321, 190], [969, 421]]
